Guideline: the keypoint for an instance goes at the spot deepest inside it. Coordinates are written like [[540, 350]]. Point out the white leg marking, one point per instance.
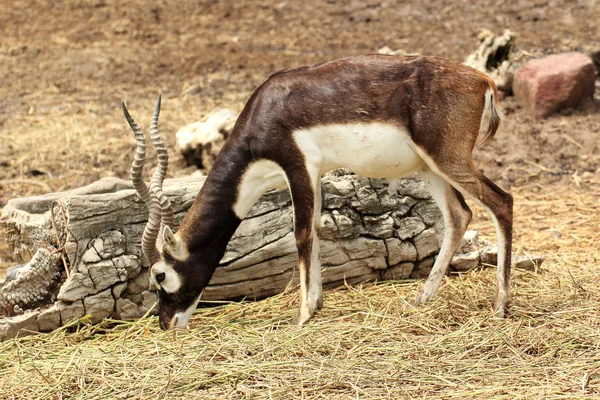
[[503, 290], [439, 190], [315, 294], [311, 296]]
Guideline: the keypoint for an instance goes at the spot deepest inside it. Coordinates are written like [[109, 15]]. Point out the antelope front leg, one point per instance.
[[306, 195]]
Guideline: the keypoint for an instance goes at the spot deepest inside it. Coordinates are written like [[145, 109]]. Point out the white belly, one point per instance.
[[371, 150], [374, 150]]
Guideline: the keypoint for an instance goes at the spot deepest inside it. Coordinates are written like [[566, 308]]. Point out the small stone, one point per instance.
[[329, 229], [342, 187], [103, 274], [488, 253], [470, 242], [529, 263], [464, 262], [348, 222], [114, 244], [76, 288], [413, 188], [129, 264], [149, 300], [547, 85], [366, 200], [98, 244], [140, 283]]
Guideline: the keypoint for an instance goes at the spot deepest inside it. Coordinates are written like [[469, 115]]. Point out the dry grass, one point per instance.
[[368, 342]]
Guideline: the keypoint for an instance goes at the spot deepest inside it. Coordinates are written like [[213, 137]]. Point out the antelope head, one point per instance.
[[163, 250]]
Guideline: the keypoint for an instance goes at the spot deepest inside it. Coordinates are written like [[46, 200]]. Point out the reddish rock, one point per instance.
[[547, 85]]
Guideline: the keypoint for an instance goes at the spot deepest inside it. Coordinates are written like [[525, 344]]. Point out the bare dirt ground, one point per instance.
[[66, 65]]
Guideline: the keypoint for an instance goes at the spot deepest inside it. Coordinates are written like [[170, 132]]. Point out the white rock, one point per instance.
[[463, 262], [201, 142]]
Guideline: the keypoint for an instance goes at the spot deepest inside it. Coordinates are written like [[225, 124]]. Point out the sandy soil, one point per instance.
[[66, 66]]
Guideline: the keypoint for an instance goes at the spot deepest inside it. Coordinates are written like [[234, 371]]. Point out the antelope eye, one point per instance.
[[160, 277]]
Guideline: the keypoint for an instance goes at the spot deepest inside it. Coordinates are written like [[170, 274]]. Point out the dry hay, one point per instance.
[[368, 342]]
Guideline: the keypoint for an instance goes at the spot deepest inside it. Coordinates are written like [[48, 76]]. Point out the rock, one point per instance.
[[414, 188], [99, 306], [348, 222], [140, 283], [399, 251], [366, 200], [118, 289], [329, 229], [529, 263], [113, 244], [488, 253], [547, 85], [462, 262], [201, 142], [149, 301], [21, 325], [470, 242]]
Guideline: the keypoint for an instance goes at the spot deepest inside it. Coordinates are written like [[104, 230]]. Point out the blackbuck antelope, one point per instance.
[[379, 116]]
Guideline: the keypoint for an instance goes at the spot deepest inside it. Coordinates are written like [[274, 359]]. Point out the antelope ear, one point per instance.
[[171, 244]]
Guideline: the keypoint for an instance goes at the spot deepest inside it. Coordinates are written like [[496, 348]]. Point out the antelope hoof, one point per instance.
[[320, 303], [422, 298], [501, 309], [304, 315]]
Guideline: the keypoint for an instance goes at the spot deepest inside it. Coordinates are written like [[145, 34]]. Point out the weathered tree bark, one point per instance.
[[367, 234]]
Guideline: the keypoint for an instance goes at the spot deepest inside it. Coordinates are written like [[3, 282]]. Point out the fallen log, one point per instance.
[[367, 233]]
